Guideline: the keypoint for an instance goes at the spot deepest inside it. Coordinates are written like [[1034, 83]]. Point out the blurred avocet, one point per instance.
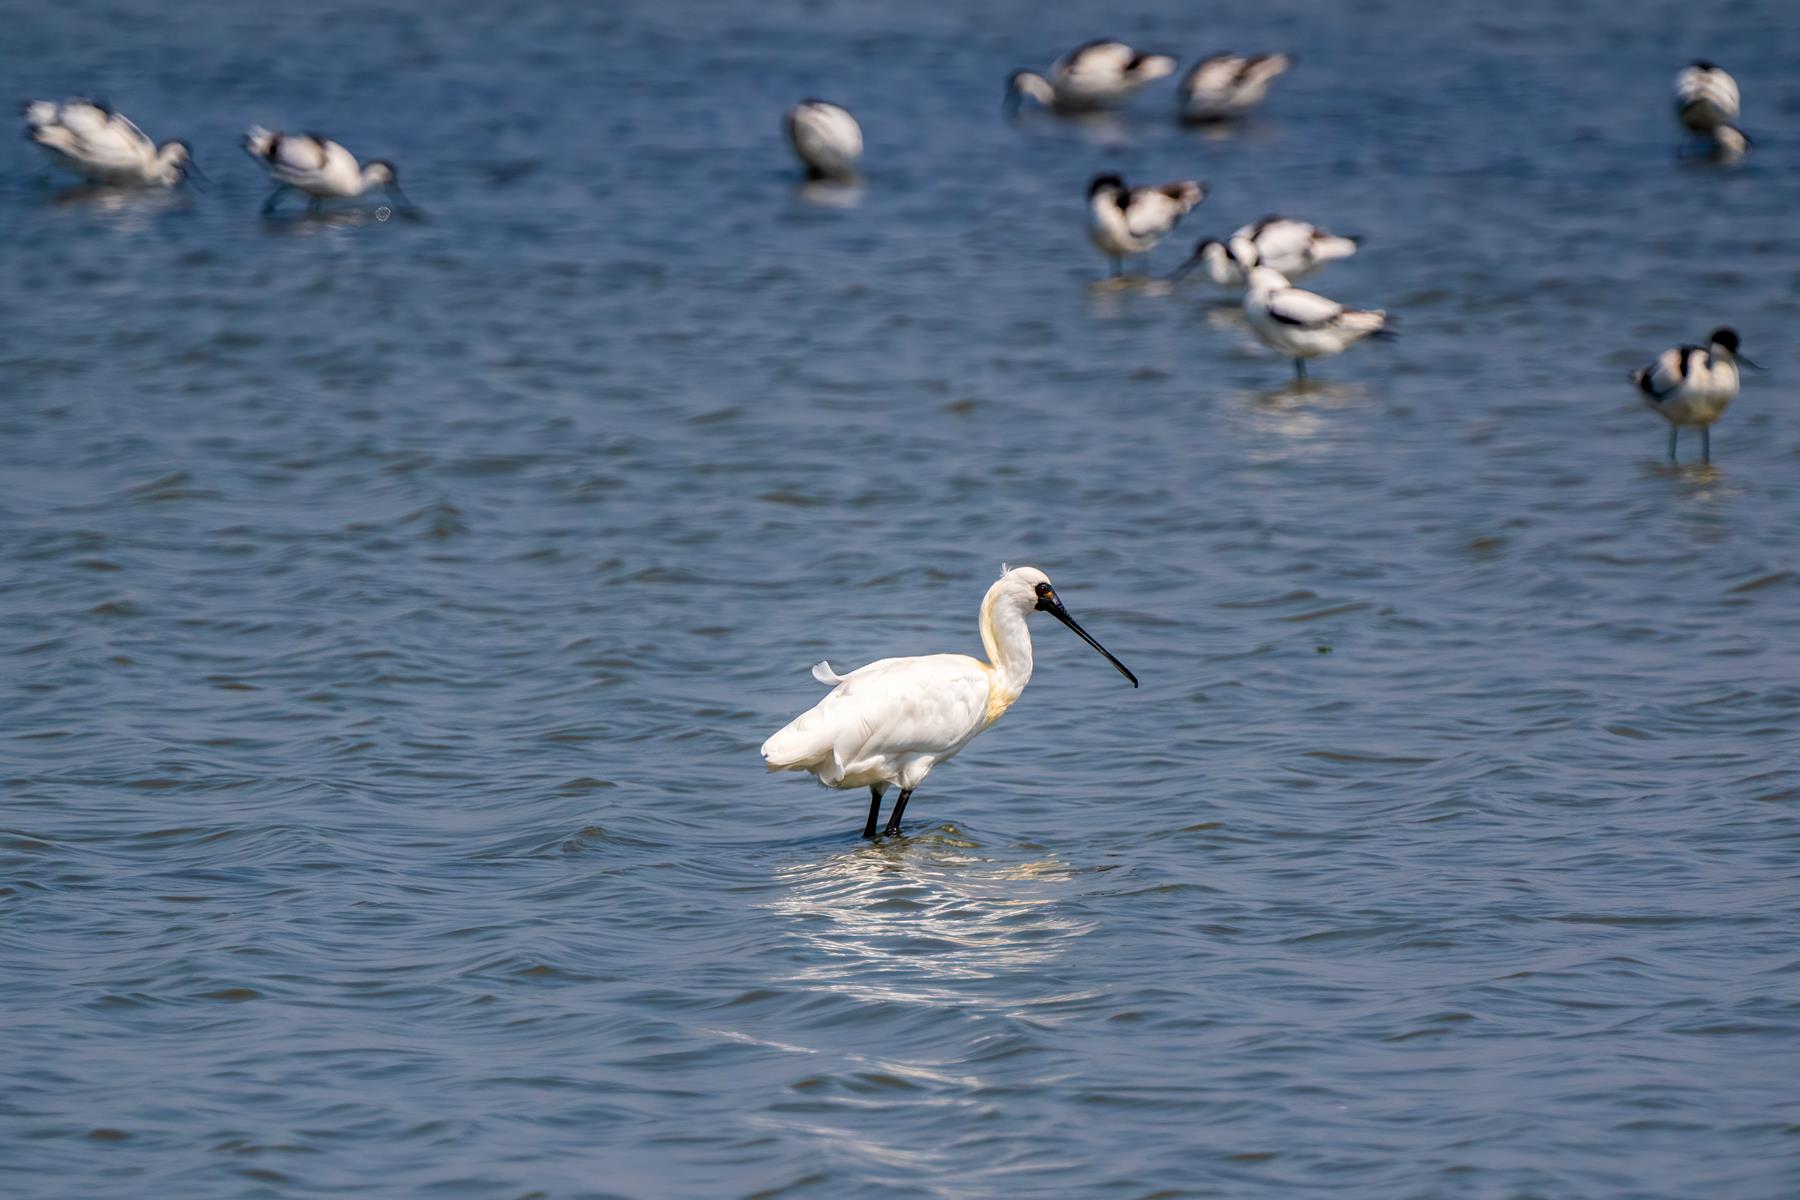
[[1302, 324], [826, 138], [318, 167], [101, 145], [1706, 101], [1295, 248], [889, 723], [1226, 86], [1693, 385], [1126, 221], [1096, 75]]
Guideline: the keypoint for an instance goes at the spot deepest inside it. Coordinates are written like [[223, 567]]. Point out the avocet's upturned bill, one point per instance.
[[826, 138], [1707, 102], [889, 723], [317, 166], [102, 146], [1099, 74], [1295, 248], [1302, 324], [1693, 385], [1126, 221], [1226, 86]]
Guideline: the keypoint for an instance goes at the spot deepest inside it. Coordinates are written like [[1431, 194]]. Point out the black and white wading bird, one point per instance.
[[1693, 385], [1295, 248], [104, 147], [318, 167], [889, 723], [1226, 86], [1302, 324], [826, 138], [1706, 102], [1097, 75], [1126, 221]]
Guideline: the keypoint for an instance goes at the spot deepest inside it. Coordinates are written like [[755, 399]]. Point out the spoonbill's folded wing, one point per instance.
[[894, 707]]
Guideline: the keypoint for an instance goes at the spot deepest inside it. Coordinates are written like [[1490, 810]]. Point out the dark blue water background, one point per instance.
[[390, 613]]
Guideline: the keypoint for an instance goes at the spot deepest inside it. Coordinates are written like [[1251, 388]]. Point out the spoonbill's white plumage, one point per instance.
[[889, 723], [317, 166], [1693, 385], [1295, 248], [1302, 324], [1126, 221], [103, 146], [1226, 86], [1098, 74], [1707, 102], [826, 138]]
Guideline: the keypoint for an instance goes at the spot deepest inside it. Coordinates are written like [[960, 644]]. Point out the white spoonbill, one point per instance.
[[1226, 86], [826, 138], [1295, 248], [1095, 75], [318, 166], [1302, 324], [1124, 220], [1693, 385], [101, 145], [887, 724], [1706, 101]]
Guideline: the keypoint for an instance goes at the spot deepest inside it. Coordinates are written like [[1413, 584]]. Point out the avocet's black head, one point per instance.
[[1105, 183], [1726, 337]]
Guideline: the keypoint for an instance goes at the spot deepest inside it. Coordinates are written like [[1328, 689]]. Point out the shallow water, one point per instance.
[[393, 610]]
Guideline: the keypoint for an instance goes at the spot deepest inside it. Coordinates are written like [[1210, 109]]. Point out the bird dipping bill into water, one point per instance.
[[1706, 102], [1126, 221], [101, 145], [826, 138], [1096, 75], [889, 723], [1295, 248], [1226, 86], [317, 166], [1302, 324], [1693, 385]]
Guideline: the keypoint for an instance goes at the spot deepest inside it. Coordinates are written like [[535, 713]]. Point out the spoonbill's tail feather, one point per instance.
[[1365, 321], [824, 674], [804, 744], [258, 141]]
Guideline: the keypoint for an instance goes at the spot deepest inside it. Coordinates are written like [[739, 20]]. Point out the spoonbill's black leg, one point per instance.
[[1673, 430], [274, 199], [1706, 443], [1299, 368], [893, 825], [314, 206], [874, 811]]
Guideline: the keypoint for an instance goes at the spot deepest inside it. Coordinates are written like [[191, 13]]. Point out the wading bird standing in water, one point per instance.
[[1693, 385], [826, 138], [318, 166], [1126, 221], [889, 723], [1226, 86], [1092, 76], [103, 146], [1706, 102], [1303, 324]]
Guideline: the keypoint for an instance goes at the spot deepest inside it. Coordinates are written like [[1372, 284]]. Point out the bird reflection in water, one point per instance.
[[938, 915]]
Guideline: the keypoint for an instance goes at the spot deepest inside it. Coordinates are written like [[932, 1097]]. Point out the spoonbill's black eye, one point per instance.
[[1043, 589]]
